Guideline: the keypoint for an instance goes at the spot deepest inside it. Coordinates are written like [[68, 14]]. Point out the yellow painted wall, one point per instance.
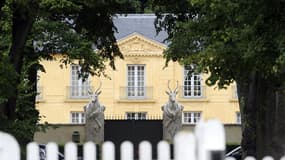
[[55, 106]]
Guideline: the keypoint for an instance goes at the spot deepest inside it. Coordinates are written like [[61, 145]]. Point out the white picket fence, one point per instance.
[[206, 143]]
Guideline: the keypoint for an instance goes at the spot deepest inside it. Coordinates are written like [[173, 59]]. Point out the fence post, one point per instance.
[[249, 158], [163, 150], [33, 151], [89, 151], [51, 151], [9, 147], [199, 131], [127, 150], [267, 158], [282, 158], [108, 151], [70, 151], [211, 140], [184, 146], [145, 151]]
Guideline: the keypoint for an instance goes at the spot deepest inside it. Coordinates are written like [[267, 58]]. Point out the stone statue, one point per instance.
[[94, 112], [172, 115]]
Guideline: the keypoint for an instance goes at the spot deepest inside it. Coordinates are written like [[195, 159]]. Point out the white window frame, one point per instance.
[[78, 88], [136, 81], [238, 118], [39, 95], [77, 117], [191, 117], [136, 115], [192, 85]]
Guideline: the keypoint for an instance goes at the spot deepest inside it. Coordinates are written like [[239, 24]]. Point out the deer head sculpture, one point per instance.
[[172, 115], [94, 96], [172, 94]]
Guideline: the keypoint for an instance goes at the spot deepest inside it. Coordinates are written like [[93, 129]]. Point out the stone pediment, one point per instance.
[[138, 45]]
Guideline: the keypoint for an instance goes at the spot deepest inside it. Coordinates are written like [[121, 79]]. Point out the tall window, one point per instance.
[[136, 81], [136, 115], [238, 118], [191, 117], [192, 83], [77, 117], [39, 92], [79, 88], [235, 93]]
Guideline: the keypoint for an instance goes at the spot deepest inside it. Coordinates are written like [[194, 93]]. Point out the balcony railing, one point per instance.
[[190, 92], [136, 93], [78, 92]]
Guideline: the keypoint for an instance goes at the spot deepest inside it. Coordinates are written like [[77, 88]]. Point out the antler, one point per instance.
[[176, 89], [169, 86], [99, 87], [90, 91]]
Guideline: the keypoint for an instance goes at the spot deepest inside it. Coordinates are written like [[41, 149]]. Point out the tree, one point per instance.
[[32, 30], [241, 41]]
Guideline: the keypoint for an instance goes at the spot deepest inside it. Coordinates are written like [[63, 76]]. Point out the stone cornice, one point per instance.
[[138, 45]]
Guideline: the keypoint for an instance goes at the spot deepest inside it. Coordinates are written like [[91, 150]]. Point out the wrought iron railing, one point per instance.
[[124, 117], [78, 92], [136, 93]]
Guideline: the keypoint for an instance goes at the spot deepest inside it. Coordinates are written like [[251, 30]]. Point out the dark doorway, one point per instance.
[[135, 131]]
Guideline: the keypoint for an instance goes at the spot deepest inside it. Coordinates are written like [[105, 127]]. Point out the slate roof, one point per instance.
[[138, 23]]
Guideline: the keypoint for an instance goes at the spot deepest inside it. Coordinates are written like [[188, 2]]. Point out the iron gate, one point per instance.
[[135, 131]]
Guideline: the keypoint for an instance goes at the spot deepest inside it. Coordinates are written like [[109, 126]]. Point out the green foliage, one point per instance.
[[74, 29], [59, 6], [7, 79], [78, 30], [7, 74], [241, 41], [23, 127], [228, 39], [27, 115]]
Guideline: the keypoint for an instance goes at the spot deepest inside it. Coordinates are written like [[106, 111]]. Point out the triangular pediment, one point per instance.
[[139, 45]]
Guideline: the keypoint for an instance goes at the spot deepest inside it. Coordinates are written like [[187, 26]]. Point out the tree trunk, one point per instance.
[[271, 124], [262, 106], [279, 125], [21, 26], [247, 96]]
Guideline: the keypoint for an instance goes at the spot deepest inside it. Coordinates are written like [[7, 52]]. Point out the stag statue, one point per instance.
[[172, 115], [94, 112]]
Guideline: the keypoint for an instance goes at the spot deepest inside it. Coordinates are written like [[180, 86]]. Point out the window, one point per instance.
[[136, 81], [192, 83], [77, 117], [235, 93], [39, 95], [79, 88], [191, 117], [238, 118], [136, 115]]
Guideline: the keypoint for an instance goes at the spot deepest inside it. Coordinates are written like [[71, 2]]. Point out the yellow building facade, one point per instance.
[[136, 90]]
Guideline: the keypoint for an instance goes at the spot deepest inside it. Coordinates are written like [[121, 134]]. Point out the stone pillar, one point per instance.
[[172, 122], [94, 125]]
